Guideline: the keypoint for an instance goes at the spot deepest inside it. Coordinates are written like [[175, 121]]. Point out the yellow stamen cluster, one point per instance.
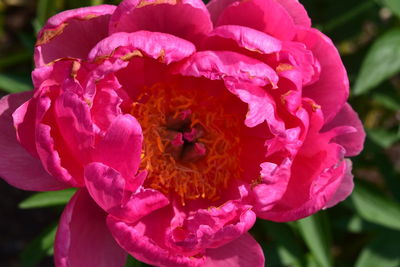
[[205, 178]]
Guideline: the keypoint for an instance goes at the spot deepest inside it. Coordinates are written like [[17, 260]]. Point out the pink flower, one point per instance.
[[181, 124]]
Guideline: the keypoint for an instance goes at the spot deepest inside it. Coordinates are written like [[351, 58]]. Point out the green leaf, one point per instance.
[[47, 199], [288, 247], [382, 251], [388, 101], [316, 233], [381, 62], [15, 58], [132, 262], [375, 207], [12, 83], [39, 248], [382, 137], [393, 5]]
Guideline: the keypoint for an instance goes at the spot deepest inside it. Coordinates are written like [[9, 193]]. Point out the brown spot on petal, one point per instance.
[[161, 56], [284, 67], [157, 2], [76, 65], [50, 34], [129, 56]]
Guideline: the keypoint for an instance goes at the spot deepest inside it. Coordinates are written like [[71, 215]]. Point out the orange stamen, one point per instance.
[[205, 178]]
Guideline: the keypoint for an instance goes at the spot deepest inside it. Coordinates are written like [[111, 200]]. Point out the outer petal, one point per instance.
[[297, 11], [113, 193], [121, 146], [293, 7], [332, 89], [257, 14], [59, 36], [83, 239], [345, 187], [352, 142], [242, 252], [134, 240], [187, 19], [17, 166]]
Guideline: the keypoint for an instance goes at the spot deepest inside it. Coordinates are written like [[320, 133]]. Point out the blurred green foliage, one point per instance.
[[362, 231]]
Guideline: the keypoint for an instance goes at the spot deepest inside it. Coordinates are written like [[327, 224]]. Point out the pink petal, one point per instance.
[[24, 120], [165, 47], [105, 107], [332, 89], [352, 142], [121, 146], [252, 40], [297, 11], [242, 252], [83, 238], [345, 188], [17, 166], [75, 125], [135, 240], [187, 19], [257, 14], [50, 157], [112, 193], [58, 38], [229, 66]]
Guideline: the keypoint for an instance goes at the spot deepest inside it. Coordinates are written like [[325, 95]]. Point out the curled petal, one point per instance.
[[121, 146], [140, 246], [187, 19], [82, 237], [345, 188], [17, 166], [58, 37], [353, 142], [165, 47], [114, 194], [244, 37], [229, 66], [244, 251], [332, 89]]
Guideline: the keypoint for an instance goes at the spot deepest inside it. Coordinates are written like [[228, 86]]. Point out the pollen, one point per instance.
[[191, 143]]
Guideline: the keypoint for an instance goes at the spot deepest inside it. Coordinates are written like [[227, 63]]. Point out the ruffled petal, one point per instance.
[[252, 40], [242, 252], [134, 240], [116, 195], [58, 38], [257, 14], [74, 122], [83, 239], [231, 67], [121, 146], [187, 19], [332, 89], [353, 142], [17, 166], [165, 47]]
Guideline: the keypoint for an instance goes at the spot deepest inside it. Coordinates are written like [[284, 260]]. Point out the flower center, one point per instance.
[[191, 143]]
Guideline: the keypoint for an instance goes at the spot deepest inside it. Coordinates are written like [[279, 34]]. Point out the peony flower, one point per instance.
[[180, 124]]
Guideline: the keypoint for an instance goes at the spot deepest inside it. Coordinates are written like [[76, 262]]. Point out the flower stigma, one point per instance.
[[191, 144]]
